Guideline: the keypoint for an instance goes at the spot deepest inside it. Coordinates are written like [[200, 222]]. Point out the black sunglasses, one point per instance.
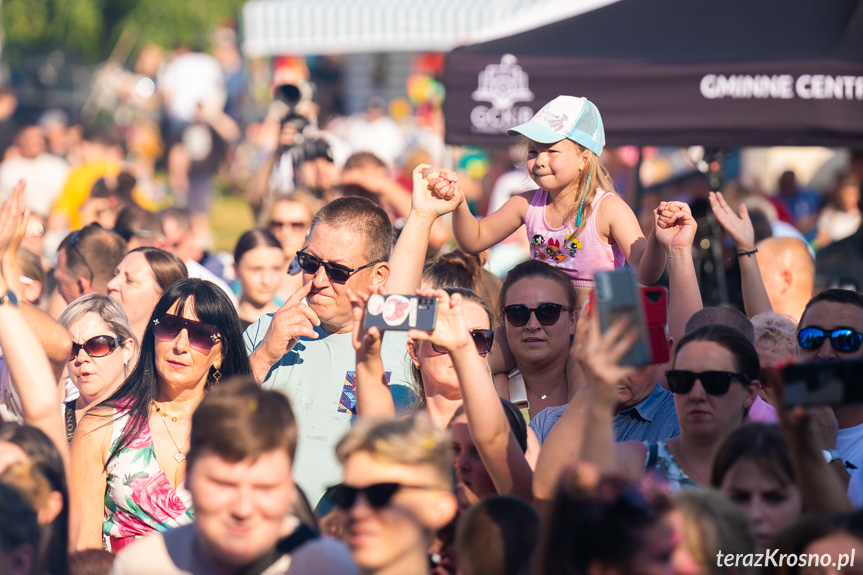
[[378, 495], [546, 313], [482, 339], [336, 272], [842, 339], [202, 336], [296, 226], [714, 382], [98, 346]]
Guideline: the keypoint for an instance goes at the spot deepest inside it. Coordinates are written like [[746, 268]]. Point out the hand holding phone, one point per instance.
[[823, 383], [401, 312], [617, 295]]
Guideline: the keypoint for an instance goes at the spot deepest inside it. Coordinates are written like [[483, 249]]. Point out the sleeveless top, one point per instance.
[[139, 498], [661, 463], [580, 256]]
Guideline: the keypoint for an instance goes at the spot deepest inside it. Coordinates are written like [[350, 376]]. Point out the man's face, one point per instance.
[[327, 298], [179, 241], [633, 388], [67, 282], [829, 316], [241, 509], [31, 142]]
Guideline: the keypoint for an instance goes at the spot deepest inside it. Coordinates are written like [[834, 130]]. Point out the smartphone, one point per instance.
[[617, 295], [401, 312], [655, 302], [823, 383]]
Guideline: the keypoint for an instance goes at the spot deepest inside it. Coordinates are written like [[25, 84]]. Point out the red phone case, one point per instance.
[[655, 300]]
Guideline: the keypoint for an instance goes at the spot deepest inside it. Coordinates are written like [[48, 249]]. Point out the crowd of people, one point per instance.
[[166, 409]]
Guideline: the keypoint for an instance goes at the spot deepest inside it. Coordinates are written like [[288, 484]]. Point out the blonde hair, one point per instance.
[[407, 441], [711, 523], [775, 333]]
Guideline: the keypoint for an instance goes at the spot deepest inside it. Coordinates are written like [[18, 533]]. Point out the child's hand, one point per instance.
[[437, 194], [367, 342], [740, 228], [674, 226]]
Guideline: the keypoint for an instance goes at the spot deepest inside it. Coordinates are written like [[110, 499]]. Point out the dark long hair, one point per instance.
[[45, 457], [211, 305]]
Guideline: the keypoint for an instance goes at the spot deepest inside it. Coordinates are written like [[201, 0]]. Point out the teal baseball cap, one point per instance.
[[565, 117]]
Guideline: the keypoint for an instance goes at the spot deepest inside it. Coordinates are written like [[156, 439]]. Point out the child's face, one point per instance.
[[555, 166]]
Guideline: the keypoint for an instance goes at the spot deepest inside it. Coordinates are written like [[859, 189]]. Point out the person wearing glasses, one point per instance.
[[713, 378], [831, 329], [305, 348], [396, 492], [86, 260], [140, 280], [537, 302], [104, 349], [289, 219], [240, 457], [129, 452], [259, 264]]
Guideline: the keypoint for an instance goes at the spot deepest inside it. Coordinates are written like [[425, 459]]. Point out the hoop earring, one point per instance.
[[217, 376]]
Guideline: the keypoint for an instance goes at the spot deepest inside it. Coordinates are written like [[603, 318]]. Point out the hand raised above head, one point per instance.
[[14, 215], [674, 226], [599, 353], [435, 194], [367, 342], [738, 227], [451, 331]]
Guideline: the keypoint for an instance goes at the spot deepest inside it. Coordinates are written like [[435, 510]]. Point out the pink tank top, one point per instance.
[[579, 257]]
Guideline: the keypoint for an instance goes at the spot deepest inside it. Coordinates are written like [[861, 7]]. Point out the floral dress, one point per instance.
[[139, 498], [661, 463]]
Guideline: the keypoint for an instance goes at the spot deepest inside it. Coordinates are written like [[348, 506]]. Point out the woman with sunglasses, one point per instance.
[[259, 264], [450, 369], [129, 452], [104, 349], [139, 281], [537, 302], [712, 379]]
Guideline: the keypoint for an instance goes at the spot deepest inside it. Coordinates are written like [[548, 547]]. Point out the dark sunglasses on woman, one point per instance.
[[97, 346], [714, 382], [482, 339], [202, 336], [546, 313], [377, 495], [336, 272], [843, 339]]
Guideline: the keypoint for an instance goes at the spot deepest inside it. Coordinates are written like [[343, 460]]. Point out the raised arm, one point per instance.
[[489, 428], [373, 393], [644, 254], [585, 432], [740, 229], [674, 228], [409, 253], [474, 236]]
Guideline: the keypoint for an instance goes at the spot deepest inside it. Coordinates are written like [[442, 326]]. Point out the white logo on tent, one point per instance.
[[503, 85]]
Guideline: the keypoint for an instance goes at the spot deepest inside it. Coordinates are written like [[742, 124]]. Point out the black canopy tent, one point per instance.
[[675, 72]]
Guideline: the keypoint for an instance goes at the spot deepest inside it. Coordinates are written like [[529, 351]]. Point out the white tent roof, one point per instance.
[[273, 27]]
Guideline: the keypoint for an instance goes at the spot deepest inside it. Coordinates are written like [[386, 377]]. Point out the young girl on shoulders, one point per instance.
[[574, 220]]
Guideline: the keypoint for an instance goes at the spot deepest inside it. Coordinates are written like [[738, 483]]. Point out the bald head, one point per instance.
[[788, 272]]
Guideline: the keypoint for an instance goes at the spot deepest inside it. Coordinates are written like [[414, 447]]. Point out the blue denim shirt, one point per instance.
[[652, 419]]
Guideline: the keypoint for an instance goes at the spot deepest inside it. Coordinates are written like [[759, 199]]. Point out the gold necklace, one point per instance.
[[179, 456], [550, 391]]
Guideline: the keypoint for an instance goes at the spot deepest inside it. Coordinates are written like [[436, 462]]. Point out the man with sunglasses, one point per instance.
[[305, 348], [831, 329]]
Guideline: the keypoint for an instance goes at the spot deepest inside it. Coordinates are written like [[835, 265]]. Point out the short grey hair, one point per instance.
[[109, 310]]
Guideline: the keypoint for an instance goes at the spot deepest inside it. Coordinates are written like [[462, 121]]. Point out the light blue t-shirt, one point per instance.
[[318, 376]]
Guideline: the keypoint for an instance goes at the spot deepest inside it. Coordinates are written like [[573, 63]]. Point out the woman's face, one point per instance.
[[97, 377], [770, 505], [472, 480], [179, 365], [135, 287], [534, 342], [656, 555], [702, 414], [437, 370], [839, 547], [260, 270], [289, 222]]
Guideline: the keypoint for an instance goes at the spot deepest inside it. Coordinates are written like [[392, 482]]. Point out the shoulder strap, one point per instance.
[[301, 535], [71, 423]]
